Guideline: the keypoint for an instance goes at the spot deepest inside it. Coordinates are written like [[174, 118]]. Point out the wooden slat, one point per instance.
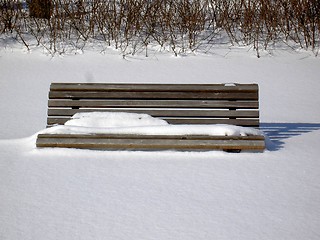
[[151, 136], [154, 104], [141, 143], [153, 95], [239, 122], [152, 87], [164, 113]]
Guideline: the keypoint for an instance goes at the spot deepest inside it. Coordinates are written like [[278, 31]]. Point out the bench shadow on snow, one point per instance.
[[277, 132]]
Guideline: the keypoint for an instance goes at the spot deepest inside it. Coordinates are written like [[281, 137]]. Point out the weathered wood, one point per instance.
[[153, 87], [239, 122], [151, 136], [176, 103], [154, 104], [164, 112], [144, 142], [153, 95]]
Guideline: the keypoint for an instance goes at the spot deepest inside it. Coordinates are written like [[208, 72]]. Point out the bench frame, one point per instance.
[[235, 104]]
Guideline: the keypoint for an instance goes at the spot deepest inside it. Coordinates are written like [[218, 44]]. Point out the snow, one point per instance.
[[113, 120], [134, 123], [85, 194]]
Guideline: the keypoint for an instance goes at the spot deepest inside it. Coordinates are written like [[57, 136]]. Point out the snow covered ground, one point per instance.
[[81, 194]]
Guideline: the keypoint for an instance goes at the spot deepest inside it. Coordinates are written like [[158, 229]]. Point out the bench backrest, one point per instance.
[[235, 104]]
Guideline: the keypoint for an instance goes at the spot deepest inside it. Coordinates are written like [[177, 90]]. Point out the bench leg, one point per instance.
[[232, 150]]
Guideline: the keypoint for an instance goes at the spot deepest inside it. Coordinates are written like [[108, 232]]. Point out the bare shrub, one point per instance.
[[181, 26]]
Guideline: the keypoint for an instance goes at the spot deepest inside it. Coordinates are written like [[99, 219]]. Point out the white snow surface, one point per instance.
[[71, 194], [113, 120], [134, 123]]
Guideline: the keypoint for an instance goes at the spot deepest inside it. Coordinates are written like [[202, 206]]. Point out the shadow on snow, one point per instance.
[[278, 132]]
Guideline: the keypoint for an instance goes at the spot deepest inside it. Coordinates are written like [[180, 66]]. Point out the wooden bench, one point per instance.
[[235, 104]]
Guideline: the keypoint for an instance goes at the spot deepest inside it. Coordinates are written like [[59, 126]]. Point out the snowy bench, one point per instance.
[[234, 104]]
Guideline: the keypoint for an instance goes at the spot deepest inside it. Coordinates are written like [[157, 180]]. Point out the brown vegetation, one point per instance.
[[179, 25]]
